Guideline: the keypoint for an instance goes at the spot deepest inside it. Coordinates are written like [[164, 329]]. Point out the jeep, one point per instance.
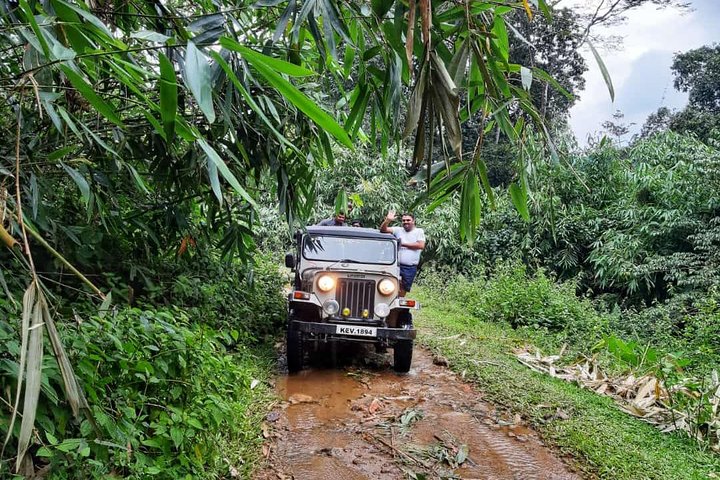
[[346, 290]]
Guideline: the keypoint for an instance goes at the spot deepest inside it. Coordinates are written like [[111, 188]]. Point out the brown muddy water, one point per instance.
[[367, 422]]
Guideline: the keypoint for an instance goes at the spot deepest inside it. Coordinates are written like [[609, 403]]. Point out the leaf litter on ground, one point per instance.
[[645, 397]]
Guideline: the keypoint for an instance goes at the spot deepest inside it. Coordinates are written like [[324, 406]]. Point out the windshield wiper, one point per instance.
[[344, 260]]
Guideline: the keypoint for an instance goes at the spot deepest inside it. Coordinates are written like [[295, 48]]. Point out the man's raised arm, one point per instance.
[[389, 218]]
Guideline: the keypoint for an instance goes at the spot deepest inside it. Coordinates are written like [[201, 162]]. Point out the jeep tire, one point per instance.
[[294, 348], [402, 355]]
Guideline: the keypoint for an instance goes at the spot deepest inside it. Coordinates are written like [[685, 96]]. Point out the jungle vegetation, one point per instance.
[[157, 156]]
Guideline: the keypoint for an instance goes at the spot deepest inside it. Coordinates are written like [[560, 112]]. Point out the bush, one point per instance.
[[166, 396], [243, 302], [514, 296], [688, 325]]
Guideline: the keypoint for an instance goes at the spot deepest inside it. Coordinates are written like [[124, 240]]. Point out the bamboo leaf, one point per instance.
[[80, 181], [381, 7], [410, 35], [92, 19], [283, 21], [73, 393], [28, 304], [447, 102], [501, 37], [138, 179], [105, 306], [520, 36], [518, 195], [150, 36], [299, 99], [357, 113], [35, 27], [331, 17], [416, 102], [275, 63], [267, 3], [458, 65], [307, 7], [604, 71], [341, 202], [251, 101], [88, 92], [215, 181], [197, 79], [482, 170], [470, 207], [33, 375], [224, 170], [546, 77], [168, 97], [4, 284], [545, 10]]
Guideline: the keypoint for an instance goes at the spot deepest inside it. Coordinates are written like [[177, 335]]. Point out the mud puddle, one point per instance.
[[370, 423]]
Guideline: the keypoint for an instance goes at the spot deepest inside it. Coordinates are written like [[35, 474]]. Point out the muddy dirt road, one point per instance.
[[369, 423]]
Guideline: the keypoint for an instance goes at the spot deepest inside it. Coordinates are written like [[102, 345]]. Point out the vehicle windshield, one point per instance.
[[350, 250]]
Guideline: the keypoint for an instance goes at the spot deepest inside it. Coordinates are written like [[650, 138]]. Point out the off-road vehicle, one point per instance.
[[346, 290]]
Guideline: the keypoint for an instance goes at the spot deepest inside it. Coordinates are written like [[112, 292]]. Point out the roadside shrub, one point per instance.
[[536, 301], [688, 325], [244, 303], [168, 399]]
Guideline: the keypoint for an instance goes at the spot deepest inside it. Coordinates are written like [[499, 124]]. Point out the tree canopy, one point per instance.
[[696, 72], [178, 106]]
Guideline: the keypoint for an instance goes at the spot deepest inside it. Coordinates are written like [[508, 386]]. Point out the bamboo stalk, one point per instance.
[[62, 260]]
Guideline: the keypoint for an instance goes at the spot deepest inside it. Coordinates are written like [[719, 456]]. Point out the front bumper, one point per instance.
[[329, 329]]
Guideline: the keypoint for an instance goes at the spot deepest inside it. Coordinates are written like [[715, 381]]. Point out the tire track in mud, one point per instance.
[[370, 423]]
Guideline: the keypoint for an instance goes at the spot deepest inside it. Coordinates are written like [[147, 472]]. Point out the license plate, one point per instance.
[[357, 331]]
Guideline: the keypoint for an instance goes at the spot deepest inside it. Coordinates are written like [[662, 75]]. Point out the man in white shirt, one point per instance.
[[412, 242]]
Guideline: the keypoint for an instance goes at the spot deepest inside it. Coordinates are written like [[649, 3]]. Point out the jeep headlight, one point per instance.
[[325, 283], [386, 287]]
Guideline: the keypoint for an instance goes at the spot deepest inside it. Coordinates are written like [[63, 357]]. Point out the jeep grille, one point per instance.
[[356, 295]]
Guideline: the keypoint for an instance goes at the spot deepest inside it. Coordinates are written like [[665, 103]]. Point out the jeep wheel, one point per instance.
[[294, 348], [402, 355]]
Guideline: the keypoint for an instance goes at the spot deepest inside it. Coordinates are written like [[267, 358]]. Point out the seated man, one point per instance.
[[337, 220], [412, 242]]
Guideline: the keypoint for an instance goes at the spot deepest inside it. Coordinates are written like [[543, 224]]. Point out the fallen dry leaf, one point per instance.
[[374, 406]]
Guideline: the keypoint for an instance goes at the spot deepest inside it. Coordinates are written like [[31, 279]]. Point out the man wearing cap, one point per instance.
[[412, 242]]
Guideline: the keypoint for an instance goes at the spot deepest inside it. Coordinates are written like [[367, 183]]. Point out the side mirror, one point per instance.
[[290, 261]]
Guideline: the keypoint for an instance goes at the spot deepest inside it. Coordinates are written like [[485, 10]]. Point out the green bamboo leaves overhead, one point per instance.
[[270, 87]]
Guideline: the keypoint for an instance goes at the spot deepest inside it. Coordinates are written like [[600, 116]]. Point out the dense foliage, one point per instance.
[[146, 141], [638, 223], [173, 391]]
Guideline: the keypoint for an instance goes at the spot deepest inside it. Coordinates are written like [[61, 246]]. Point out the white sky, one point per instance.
[[640, 70]]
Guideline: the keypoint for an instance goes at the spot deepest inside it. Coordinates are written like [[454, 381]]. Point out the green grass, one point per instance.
[[243, 447], [600, 439]]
